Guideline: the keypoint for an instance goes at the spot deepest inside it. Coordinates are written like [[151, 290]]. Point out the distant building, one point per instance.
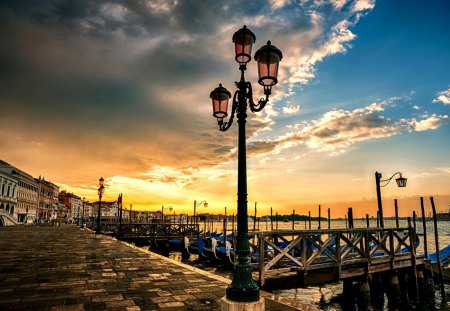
[[8, 193], [47, 205], [108, 209], [73, 205], [27, 192]]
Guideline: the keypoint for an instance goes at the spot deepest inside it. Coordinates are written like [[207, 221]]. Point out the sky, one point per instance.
[[120, 90]]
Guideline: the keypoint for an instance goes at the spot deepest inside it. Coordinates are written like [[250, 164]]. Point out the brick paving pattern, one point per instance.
[[66, 268]]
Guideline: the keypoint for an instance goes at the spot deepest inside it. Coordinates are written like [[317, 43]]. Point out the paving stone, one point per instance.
[[67, 268]]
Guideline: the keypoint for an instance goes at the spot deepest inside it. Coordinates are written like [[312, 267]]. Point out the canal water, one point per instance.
[[327, 296]]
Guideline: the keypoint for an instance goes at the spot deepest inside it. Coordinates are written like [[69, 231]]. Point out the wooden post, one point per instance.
[[378, 219], [254, 225], [254, 222], [232, 225], [413, 274], [276, 221], [377, 291], [367, 221], [414, 221], [424, 225], [346, 222], [225, 226], [364, 293], [396, 213], [320, 216], [329, 219], [350, 218], [309, 218], [271, 219], [349, 298], [438, 253], [293, 219]]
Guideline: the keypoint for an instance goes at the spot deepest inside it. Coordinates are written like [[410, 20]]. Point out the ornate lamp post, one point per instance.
[[243, 288], [401, 182], [100, 190], [205, 204]]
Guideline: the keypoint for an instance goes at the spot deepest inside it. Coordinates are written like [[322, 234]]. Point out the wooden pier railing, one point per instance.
[[150, 231], [342, 253]]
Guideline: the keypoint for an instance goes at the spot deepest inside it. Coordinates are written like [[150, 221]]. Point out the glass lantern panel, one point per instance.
[[268, 68], [243, 48], [220, 105]]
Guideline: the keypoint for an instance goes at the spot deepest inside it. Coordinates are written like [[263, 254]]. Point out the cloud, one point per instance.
[[335, 131], [291, 109], [443, 97], [431, 123]]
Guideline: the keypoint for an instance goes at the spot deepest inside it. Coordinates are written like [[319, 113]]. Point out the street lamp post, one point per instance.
[[401, 182], [100, 190], [205, 204], [162, 211], [242, 287], [82, 216]]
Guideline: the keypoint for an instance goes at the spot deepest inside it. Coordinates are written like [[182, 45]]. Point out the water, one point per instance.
[[326, 296]]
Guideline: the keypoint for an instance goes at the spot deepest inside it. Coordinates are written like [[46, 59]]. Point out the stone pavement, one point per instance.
[[67, 268]]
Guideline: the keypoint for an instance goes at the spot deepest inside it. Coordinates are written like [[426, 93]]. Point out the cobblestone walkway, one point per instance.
[[66, 268]]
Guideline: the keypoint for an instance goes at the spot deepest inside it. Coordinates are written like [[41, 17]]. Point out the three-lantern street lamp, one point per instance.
[[100, 190], [243, 288], [401, 182]]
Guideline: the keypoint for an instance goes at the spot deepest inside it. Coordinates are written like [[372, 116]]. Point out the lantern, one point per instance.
[[401, 181], [243, 40], [268, 58], [220, 97]]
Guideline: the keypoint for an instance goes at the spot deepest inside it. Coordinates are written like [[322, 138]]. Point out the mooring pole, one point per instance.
[[396, 213], [271, 219], [329, 219], [424, 225], [438, 254], [293, 219], [367, 221], [320, 216], [276, 220], [309, 218]]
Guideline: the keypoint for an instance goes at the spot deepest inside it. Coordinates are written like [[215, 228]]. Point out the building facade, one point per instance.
[[48, 193], [8, 194], [27, 193]]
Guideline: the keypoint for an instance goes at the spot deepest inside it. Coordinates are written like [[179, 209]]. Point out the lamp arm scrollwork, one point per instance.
[[224, 126], [261, 103], [387, 181]]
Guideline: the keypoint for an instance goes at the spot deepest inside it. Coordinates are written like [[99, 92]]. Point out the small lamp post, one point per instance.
[[82, 216], [401, 182], [170, 208], [100, 190], [242, 287], [205, 204]]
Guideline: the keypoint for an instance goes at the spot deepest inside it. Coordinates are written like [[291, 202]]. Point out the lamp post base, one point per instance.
[[228, 305]]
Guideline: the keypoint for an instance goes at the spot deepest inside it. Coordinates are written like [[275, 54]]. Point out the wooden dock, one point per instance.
[[316, 256]]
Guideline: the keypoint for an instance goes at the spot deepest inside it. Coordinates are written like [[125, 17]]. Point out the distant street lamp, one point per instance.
[[401, 182], [242, 287], [100, 190], [82, 217], [205, 204], [170, 208]]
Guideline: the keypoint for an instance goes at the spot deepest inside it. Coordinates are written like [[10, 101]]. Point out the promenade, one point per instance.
[[67, 268]]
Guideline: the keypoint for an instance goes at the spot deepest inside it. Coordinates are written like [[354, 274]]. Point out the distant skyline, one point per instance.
[[120, 90]]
